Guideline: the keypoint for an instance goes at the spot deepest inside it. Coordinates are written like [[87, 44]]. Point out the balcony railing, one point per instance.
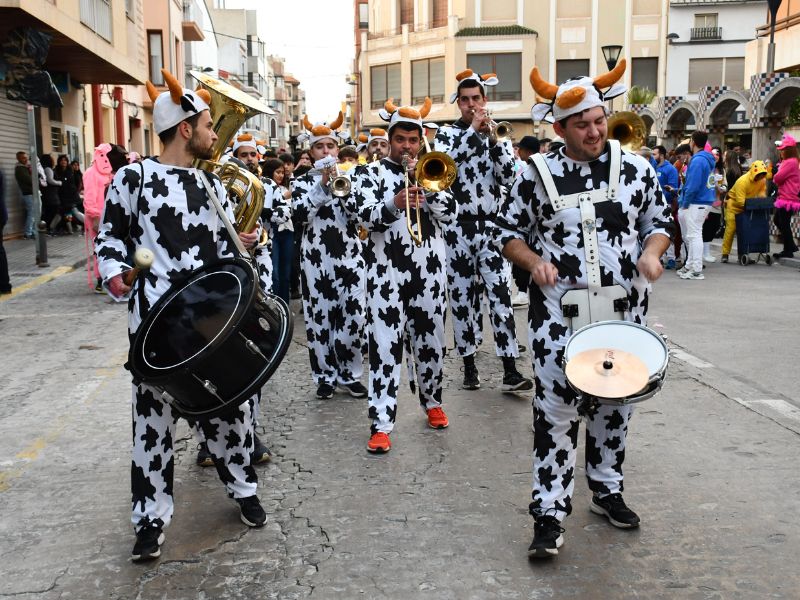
[[96, 15], [420, 27], [706, 33]]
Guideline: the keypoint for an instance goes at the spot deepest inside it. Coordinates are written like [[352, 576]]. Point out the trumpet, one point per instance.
[[338, 184], [498, 132]]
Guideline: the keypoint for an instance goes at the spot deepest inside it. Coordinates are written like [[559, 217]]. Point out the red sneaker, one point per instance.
[[437, 419], [379, 443]]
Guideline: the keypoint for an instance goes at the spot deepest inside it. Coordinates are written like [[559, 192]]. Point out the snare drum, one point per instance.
[[644, 343], [212, 340]]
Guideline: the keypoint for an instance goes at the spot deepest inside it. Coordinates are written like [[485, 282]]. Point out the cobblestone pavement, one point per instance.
[[443, 515]]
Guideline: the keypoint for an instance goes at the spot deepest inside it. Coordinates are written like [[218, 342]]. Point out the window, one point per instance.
[[96, 15], [508, 68], [156, 57], [427, 79], [439, 13], [273, 128], [384, 84], [56, 143], [716, 71], [407, 12], [705, 20], [129, 7], [703, 72], [566, 69], [644, 73], [363, 16]]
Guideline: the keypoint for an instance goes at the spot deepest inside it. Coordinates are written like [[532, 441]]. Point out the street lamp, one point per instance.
[[611, 54]]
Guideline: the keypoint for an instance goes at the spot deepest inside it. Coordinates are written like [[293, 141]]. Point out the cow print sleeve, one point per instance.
[[515, 219], [655, 214], [442, 206], [307, 198], [280, 206], [503, 163], [110, 245], [370, 201]]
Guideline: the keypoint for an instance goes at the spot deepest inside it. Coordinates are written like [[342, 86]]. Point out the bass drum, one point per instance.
[[212, 340], [632, 338]]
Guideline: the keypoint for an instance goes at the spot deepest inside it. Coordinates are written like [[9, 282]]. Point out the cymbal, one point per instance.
[[607, 373]]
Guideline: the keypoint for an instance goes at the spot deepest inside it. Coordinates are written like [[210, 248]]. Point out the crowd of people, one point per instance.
[[381, 252]]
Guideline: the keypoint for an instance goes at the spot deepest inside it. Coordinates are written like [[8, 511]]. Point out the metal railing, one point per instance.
[[706, 33], [96, 15]]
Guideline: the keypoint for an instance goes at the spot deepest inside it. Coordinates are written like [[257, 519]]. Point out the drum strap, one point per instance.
[[603, 303], [225, 220]]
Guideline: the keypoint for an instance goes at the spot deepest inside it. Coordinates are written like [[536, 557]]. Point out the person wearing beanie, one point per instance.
[[332, 269], [589, 222], [406, 281], [787, 203], [165, 205], [474, 265]]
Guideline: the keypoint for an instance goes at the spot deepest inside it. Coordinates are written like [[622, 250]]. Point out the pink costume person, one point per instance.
[[95, 181]]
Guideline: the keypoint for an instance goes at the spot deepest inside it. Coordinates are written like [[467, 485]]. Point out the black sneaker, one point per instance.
[[204, 458], [251, 512], [356, 390], [148, 543], [613, 507], [547, 538], [471, 379], [261, 453], [513, 381], [325, 391]]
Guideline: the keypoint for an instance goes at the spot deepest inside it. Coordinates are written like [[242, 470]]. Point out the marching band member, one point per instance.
[[332, 270], [597, 224], [473, 261], [406, 285], [377, 144], [164, 205]]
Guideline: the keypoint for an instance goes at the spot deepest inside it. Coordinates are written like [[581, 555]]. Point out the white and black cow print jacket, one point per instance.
[[277, 209], [623, 225], [326, 224], [169, 212], [372, 203], [483, 170]]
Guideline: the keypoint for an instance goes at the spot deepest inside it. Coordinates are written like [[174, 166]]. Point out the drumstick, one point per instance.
[[142, 258]]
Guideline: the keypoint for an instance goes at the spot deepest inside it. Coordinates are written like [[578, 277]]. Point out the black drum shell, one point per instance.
[[226, 372]]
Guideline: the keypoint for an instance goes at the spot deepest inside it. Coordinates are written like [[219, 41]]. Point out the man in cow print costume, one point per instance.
[[474, 263], [332, 271], [164, 205], [405, 282], [594, 218], [276, 210]]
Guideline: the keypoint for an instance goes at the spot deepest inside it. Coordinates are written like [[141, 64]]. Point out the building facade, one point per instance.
[[414, 48]]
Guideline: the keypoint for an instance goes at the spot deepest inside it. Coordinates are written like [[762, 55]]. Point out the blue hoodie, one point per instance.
[[700, 186]]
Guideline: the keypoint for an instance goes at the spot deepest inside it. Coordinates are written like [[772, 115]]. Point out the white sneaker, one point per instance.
[[692, 275], [521, 299], [710, 259], [680, 272]]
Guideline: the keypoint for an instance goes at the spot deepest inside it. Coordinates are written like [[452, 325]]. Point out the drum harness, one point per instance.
[[597, 302]]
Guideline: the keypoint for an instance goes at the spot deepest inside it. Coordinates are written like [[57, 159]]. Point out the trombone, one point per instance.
[[498, 132], [435, 172]]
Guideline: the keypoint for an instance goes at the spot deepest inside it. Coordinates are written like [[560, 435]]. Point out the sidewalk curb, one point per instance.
[[43, 278]]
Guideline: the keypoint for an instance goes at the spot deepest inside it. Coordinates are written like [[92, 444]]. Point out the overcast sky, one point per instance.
[[316, 39]]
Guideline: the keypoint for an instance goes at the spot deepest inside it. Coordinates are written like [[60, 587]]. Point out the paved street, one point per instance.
[[711, 468]]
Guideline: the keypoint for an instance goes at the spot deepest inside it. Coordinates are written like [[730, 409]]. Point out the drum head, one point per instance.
[[635, 339], [193, 317]]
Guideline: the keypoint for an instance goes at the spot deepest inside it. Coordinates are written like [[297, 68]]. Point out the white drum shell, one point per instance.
[[629, 337]]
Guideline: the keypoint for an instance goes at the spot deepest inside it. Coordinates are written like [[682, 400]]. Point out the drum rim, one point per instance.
[[652, 333], [149, 373]]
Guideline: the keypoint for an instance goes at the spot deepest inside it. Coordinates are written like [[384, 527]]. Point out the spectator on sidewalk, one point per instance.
[[5, 281], [22, 173], [787, 203], [714, 218], [67, 194], [669, 181], [696, 197], [51, 202], [752, 184]]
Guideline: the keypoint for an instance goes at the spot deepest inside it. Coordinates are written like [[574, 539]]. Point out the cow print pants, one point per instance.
[[229, 439], [475, 265]]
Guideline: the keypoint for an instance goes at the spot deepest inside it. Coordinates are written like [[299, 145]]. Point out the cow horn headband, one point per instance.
[[487, 79], [318, 131], [557, 102], [176, 104], [393, 114]]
